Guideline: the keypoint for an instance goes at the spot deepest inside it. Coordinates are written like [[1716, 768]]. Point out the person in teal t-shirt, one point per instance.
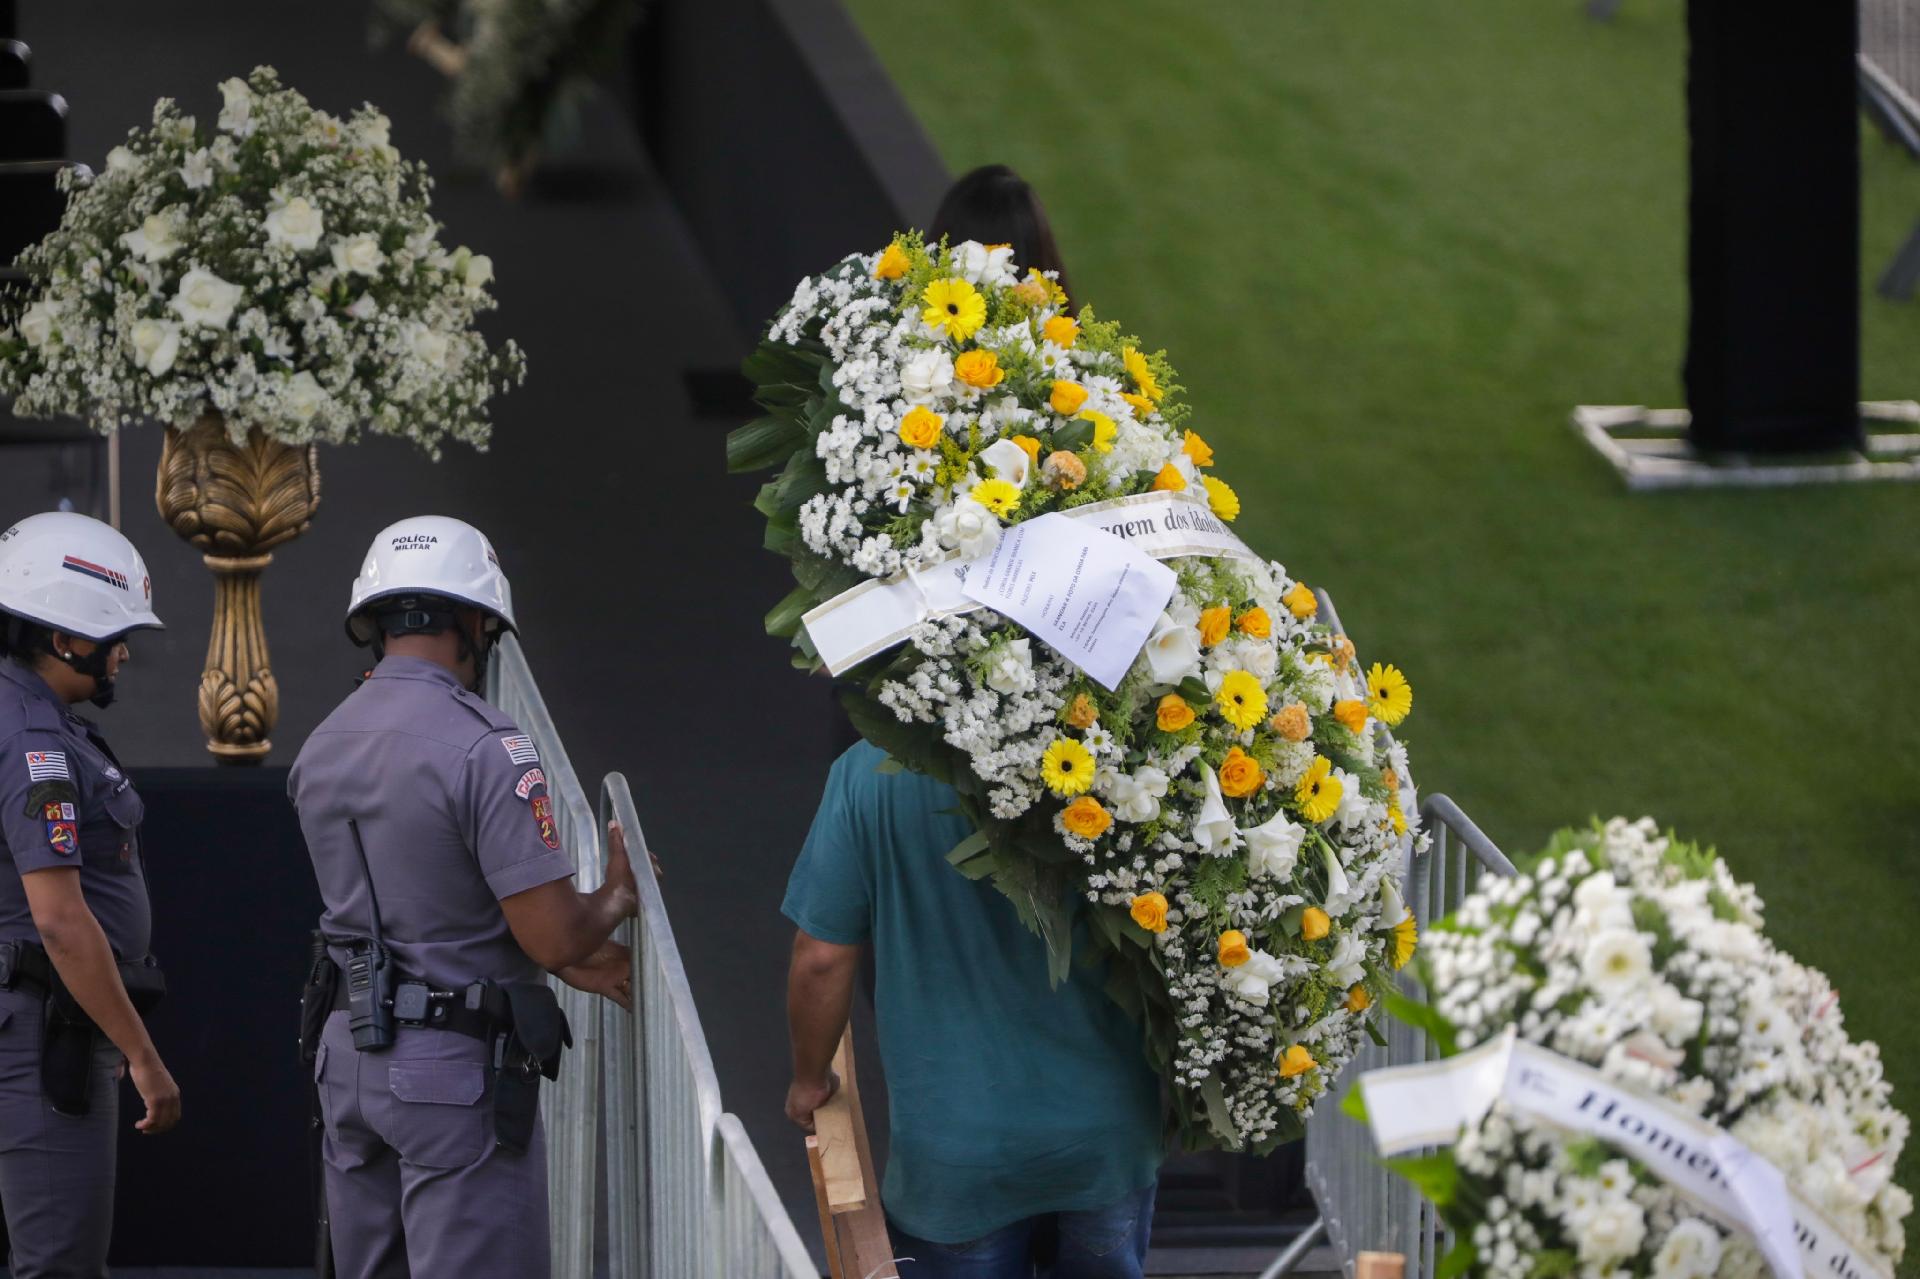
[[1026, 1121]]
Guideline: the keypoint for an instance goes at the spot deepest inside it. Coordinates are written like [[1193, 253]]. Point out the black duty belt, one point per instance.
[[25, 966], [476, 1011]]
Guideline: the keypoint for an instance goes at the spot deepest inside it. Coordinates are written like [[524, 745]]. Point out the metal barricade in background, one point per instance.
[[1362, 1205], [686, 1194], [1889, 60]]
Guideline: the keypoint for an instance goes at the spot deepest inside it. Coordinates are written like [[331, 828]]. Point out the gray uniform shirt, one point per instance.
[[454, 814], [64, 802]]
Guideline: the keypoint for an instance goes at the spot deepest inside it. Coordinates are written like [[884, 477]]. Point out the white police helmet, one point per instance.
[[429, 555], [73, 573]]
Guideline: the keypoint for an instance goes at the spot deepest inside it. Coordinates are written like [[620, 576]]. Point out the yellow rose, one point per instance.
[[980, 369], [1214, 625], [1082, 713], [1142, 406], [1067, 398], [1234, 950], [1031, 292], [1352, 713], [1061, 330], [1296, 1061], [892, 264], [1169, 480], [1032, 447], [1300, 601], [920, 428], [1342, 652], [1240, 774], [1196, 448], [1150, 912], [1173, 713], [1358, 1000], [1086, 818], [1293, 723], [1256, 623], [1314, 924]]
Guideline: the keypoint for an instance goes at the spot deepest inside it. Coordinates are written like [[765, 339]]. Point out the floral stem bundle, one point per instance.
[[282, 269], [1641, 956], [1228, 820]]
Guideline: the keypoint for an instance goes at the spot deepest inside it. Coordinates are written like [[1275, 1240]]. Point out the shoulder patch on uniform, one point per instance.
[[45, 795], [520, 749], [48, 766], [542, 806], [532, 778], [63, 837]]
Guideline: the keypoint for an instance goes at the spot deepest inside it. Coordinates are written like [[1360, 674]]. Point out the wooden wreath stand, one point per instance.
[[844, 1188]]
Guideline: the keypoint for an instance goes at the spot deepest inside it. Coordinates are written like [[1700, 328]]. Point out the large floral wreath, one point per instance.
[[1233, 811]]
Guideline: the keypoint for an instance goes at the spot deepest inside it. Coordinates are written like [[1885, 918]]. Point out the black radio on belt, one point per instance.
[[370, 1009]]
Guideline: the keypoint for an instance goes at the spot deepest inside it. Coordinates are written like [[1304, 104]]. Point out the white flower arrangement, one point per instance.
[[1643, 957], [283, 270], [1233, 814]]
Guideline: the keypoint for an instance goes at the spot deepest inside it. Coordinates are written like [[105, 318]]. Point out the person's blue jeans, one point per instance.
[[1105, 1243]]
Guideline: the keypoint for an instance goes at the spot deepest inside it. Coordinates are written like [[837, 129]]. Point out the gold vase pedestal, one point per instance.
[[236, 502]]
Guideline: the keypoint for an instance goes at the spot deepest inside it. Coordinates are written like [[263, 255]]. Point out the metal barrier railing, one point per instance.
[[687, 1197], [1362, 1206], [1889, 62]]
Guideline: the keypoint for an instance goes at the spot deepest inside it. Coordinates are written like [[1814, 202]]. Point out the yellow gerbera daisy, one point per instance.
[[955, 307], [1389, 696], [1067, 767], [998, 496], [1105, 430], [1406, 937], [1142, 374], [1224, 501], [1196, 448], [1241, 700], [1318, 793]]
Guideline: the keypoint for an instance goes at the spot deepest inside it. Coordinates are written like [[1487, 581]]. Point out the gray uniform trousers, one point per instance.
[[415, 1184], [56, 1172]]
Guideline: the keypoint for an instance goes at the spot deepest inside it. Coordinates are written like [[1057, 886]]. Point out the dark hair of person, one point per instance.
[[25, 642], [995, 205]]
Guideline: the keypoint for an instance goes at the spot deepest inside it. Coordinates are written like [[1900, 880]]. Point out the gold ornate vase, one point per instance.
[[236, 502]]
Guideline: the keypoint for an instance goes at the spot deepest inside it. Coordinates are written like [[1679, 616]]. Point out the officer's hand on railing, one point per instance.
[[608, 972], [804, 1098], [157, 1089], [620, 886]]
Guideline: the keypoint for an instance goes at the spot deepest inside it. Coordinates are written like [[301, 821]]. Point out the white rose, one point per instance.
[[1173, 651], [927, 375], [478, 273], [156, 343], [122, 160], [302, 396], [36, 324], [1274, 846], [358, 254], [1008, 461], [1675, 1017], [429, 346], [1617, 962], [1213, 827], [197, 172], [205, 300], [1253, 981], [1691, 1250], [1348, 967], [975, 263], [1611, 1231], [1012, 669], [156, 239], [296, 224], [236, 116], [1137, 798], [967, 527]]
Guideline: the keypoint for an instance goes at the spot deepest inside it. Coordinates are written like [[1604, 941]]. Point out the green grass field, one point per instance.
[[1389, 245]]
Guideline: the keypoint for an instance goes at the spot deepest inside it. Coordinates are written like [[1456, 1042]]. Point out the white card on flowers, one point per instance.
[[1080, 590]]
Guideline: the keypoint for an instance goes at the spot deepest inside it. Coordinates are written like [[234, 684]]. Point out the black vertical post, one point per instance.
[[1773, 249]]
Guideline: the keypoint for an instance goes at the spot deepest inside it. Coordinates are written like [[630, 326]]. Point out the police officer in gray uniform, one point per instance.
[[433, 837], [74, 920]]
